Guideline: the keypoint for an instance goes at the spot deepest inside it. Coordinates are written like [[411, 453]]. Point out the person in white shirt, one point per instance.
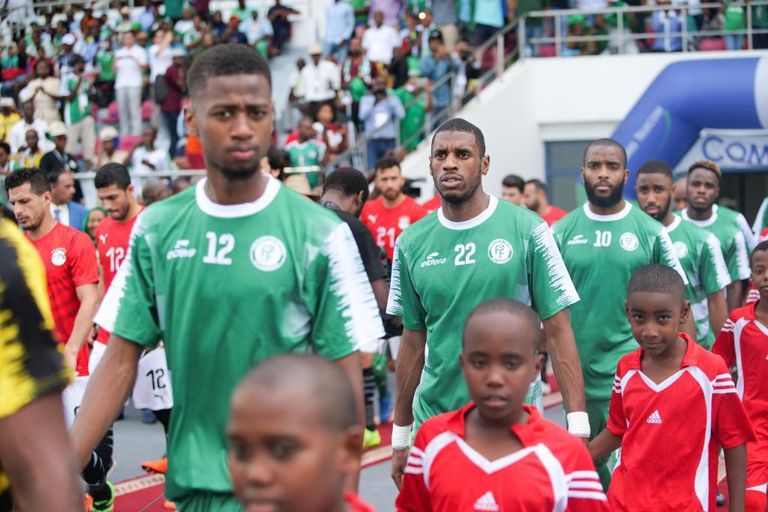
[[256, 29], [160, 54], [130, 62], [17, 136], [339, 25], [320, 80], [43, 91], [379, 40], [146, 157]]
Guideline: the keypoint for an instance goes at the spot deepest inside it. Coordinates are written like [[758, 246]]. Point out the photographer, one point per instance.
[[379, 112]]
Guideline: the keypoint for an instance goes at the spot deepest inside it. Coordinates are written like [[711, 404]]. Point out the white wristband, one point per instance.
[[578, 423], [401, 436]]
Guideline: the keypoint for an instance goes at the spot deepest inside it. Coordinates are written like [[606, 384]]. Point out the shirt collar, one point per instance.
[[690, 357], [528, 433]]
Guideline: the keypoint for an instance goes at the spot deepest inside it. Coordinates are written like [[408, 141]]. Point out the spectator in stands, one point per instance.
[[483, 18], [391, 9], [320, 80], [146, 157], [109, 152], [8, 118], [306, 151], [105, 80], [339, 27], [276, 160], [232, 32], [398, 68], [281, 26], [333, 134], [66, 54], [175, 78], [159, 58], [416, 97], [379, 111], [513, 189], [379, 41], [242, 11], [186, 25], [535, 196], [438, 64], [58, 158], [217, 24], [760, 22], [361, 9], [64, 208], [30, 154], [78, 116], [665, 23], [356, 76], [6, 167], [43, 90], [445, 19], [734, 23], [154, 190], [130, 62], [258, 30]]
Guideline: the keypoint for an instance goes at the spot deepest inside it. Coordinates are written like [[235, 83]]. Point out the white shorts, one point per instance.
[[72, 397], [97, 353], [394, 346], [153, 382]]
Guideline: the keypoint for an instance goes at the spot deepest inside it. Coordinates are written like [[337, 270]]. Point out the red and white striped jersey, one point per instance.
[[553, 470], [671, 432]]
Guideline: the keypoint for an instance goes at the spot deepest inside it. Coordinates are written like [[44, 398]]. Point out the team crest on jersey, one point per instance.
[[681, 250], [58, 256], [268, 253], [403, 222], [500, 251], [629, 241], [432, 260]]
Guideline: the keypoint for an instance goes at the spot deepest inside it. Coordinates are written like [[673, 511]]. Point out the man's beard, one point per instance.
[[464, 197], [617, 194], [535, 206], [661, 215]]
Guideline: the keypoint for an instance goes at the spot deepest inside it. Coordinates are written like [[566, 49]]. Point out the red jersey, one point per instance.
[[671, 432], [553, 215], [433, 204], [553, 470], [112, 239], [356, 504], [70, 261], [743, 342], [386, 224]]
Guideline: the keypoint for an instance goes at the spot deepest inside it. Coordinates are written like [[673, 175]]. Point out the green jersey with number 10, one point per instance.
[[702, 260], [226, 287], [601, 252], [443, 269]]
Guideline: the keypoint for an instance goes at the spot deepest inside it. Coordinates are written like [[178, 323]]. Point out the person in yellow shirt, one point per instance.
[[31, 154], [8, 117]]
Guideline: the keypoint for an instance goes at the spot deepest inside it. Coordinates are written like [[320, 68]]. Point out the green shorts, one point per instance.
[[208, 501]]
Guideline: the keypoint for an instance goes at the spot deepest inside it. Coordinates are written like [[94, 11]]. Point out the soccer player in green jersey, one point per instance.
[[475, 248], [726, 224], [697, 250], [227, 273], [602, 243]]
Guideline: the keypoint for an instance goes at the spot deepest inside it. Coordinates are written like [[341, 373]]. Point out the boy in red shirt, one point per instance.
[[293, 437], [497, 453], [673, 406], [393, 211], [743, 343]]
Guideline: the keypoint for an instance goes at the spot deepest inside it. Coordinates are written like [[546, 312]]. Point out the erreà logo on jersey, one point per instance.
[[577, 240], [181, 250], [433, 259]]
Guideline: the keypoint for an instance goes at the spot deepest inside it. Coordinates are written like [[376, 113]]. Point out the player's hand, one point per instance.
[[399, 460], [70, 358]]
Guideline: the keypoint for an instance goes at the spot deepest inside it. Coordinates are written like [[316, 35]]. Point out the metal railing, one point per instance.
[[557, 22]]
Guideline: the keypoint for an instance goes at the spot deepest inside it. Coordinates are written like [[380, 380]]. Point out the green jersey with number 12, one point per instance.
[[702, 260], [601, 252], [443, 269], [226, 287]]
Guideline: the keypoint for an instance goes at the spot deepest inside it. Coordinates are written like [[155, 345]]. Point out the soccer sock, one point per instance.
[[164, 417], [369, 390], [95, 473]]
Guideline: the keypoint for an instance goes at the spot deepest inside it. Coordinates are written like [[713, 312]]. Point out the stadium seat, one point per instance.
[[712, 44], [128, 142], [547, 50], [146, 110]]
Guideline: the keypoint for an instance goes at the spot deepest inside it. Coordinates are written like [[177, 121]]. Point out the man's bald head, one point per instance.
[[322, 382]]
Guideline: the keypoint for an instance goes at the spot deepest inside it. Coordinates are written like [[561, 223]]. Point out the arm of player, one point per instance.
[[354, 370], [107, 390], [38, 458], [566, 364], [414, 494], [718, 310], [736, 471], [408, 368], [88, 294], [603, 445]]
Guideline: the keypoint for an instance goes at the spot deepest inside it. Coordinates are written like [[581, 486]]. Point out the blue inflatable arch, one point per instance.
[[688, 96]]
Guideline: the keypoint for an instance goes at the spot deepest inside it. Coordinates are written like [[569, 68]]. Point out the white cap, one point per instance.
[[108, 133], [315, 49], [68, 39], [7, 102], [178, 52], [57, 129]]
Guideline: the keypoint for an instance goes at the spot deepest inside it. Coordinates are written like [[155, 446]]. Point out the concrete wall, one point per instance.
[[556, 99]]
